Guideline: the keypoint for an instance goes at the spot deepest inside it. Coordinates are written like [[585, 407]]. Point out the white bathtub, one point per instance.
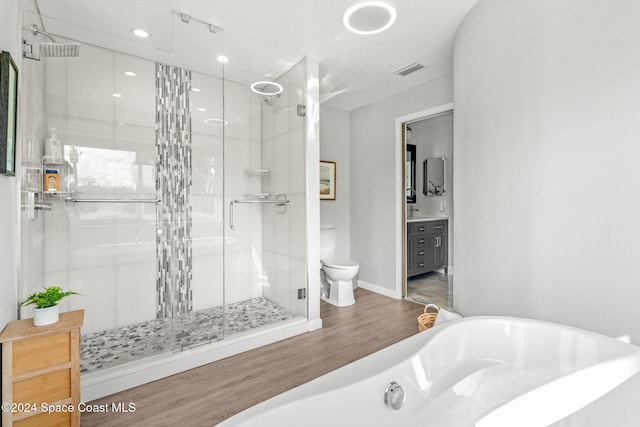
[[483, 371]]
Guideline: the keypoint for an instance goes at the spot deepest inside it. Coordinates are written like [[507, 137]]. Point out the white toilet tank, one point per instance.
[[327, 243]]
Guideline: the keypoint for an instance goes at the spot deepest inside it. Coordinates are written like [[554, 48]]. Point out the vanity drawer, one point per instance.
[[436, 226], [415, 228], [419, 241], [420, 253]]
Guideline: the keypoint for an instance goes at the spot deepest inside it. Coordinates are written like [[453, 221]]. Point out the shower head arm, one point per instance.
[[35, 31]]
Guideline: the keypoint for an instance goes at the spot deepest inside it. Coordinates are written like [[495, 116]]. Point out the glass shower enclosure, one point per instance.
[[180, 215]]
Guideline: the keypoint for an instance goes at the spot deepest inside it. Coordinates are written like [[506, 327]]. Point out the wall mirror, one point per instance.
[[8, 113], [410, 173], [434, 177]]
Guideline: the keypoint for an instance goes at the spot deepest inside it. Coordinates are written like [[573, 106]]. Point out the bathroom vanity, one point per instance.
[[427, 245]]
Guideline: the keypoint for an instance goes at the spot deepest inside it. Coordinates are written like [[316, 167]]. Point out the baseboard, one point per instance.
[[378, 289]]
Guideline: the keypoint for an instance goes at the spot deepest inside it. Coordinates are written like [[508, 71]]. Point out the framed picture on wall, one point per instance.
[[8, 113], [327, 180]]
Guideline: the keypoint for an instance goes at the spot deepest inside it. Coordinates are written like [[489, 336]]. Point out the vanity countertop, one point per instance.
[[427, 218]]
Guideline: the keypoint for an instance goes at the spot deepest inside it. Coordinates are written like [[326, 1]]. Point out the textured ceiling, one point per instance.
[[266, 38]]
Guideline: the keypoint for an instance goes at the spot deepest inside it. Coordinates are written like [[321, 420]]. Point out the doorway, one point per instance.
[[425, 206]]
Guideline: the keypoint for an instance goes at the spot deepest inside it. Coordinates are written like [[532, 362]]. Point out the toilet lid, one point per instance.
[[339, 263]]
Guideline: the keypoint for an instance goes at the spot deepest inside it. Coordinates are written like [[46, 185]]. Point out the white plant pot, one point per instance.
[[45, 316]]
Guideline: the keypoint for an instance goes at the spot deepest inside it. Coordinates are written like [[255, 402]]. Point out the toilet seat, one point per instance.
[[339, 264]]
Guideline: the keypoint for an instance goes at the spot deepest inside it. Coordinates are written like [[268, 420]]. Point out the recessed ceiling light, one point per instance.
[[201, 109], [222, 58], [140, 33], [369, 17], [129, 73], [216, 122], [195, 89], [261, 88], [117, 95]]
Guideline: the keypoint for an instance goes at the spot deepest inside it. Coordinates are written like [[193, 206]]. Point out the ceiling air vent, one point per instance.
[[408, 69]]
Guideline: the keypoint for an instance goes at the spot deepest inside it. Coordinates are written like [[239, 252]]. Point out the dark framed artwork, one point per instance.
[[8, 113]]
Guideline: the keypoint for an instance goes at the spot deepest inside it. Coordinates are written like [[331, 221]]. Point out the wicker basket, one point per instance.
[[426, 319]]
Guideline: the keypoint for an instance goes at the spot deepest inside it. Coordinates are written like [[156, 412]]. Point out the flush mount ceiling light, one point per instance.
[[202, 109], [223, 59], [369, 17], [140, 33], [266, 88], [129, 73], [117, 95], [195, 89], [216, 122]]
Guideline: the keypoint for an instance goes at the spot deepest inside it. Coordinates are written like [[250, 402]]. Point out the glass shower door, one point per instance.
[[265, 252]]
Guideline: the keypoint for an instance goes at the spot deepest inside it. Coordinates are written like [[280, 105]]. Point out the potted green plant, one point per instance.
[[46, 302]]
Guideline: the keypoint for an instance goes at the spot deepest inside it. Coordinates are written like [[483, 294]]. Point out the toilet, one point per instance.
[[336, 275]]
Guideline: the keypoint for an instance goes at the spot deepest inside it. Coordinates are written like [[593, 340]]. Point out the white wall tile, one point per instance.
[[280, 174], [298, 226], [207, 284], [98, 299], [210, 97], [296, 161], [237, 110], [135, 240], [91, 85], [283, 230], [207, 165], [237, 160], [269, 280], [282, 112], [135, 293], [268, 122], [138, 103], [56, 237], [92, 235], [240, 268], [283, 281]]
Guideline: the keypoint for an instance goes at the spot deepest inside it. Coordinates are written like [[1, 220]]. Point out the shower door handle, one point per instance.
[[231, 215]]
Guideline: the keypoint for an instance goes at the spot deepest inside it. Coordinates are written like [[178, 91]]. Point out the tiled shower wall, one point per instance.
[[173, 186], [107, 252]]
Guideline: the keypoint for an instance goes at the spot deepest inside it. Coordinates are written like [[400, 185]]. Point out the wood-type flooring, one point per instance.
[[207, 395]]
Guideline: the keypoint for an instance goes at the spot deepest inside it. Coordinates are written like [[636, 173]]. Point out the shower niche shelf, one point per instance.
[[258, 190]]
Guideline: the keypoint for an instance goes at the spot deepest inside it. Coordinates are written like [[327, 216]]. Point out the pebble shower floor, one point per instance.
[[114, 347]]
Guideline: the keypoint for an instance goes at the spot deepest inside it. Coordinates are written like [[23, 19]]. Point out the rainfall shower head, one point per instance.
[[59, 50], [54, 49]]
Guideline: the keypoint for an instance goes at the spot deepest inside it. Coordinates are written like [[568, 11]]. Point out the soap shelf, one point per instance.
[[262, 192], [53, 160]]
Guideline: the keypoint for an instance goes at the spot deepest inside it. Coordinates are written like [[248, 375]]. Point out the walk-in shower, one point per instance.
[[181, 213]]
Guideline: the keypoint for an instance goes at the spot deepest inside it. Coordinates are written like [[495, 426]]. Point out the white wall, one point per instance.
[[9, 250], [373, 202], [334, 146], [546, 145]]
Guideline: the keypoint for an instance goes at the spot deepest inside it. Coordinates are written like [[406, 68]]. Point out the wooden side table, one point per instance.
[[41, 371]]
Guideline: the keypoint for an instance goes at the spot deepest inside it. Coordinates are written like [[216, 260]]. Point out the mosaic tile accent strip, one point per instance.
[[173, 185], [114, 347]]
